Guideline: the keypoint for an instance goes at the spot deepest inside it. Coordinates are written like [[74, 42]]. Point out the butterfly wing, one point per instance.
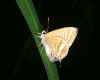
[[57, 42], [68, 34], [56, 48]]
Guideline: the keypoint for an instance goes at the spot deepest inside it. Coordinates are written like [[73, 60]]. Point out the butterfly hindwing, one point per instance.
[[57, 47], [58, 42]]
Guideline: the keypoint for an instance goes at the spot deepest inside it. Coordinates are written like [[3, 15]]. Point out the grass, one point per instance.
[[28, 10]]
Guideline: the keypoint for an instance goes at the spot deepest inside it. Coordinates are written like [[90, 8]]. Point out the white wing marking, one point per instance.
[[61, 48]]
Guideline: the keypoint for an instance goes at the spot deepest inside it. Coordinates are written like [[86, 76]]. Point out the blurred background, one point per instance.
[[22, 59]]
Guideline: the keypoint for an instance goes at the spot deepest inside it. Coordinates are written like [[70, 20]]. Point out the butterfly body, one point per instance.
[[58, 42]]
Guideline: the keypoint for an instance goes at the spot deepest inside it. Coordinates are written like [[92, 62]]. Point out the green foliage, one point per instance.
[[29, 13]]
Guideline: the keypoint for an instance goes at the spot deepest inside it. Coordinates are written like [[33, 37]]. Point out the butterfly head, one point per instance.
[[43, 34]]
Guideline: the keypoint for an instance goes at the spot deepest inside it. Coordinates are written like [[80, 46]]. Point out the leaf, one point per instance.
[[29, 13]]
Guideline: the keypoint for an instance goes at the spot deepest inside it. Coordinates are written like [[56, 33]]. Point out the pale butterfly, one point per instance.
[[58, 42]]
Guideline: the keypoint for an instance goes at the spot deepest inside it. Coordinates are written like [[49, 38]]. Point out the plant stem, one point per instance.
[[29, 13]]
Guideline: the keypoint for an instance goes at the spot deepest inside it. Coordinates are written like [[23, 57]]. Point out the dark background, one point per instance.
[[22, 59]]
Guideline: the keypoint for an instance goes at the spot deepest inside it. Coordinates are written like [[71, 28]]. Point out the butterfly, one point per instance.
[[58, 42]]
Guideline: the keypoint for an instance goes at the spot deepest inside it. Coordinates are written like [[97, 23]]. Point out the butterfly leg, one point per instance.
[[39, 45]]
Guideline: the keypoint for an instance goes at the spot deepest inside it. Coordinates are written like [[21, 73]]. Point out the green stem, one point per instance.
[[29, 13]]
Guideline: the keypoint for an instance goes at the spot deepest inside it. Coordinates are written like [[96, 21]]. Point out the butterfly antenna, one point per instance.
[[48, 23]]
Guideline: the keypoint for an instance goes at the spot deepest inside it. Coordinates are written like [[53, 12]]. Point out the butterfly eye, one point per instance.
[[43, 32]]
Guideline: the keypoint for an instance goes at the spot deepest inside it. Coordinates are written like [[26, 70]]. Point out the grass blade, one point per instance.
[[29, 13]]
